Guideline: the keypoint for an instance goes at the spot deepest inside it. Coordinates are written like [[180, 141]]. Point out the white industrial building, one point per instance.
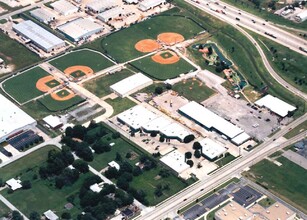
[[211, 149], [80, 29], [38, 36], [111, 14], [176, 161], [301, 17], [149, 4], [175, 131], [131, 84], [12, 119], [53, 122], [43, 15], [210, 120], [275, 105], [98, 6], [64, 7]]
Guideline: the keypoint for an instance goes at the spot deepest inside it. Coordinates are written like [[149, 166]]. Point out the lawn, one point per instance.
[[193, 90], [120, 104], [15, 53], [162, 71], [19, 167], [295, 131], [53, 83], [101, 86], [54, 105], [225, 160], [266, 202], [120, 45], [36, 109], [288, 181], [3, 209], [276, 154], [83, 57], [23, 87]]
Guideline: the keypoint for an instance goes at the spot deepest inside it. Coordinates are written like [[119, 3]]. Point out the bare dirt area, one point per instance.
[[170, 38], [147, 45]]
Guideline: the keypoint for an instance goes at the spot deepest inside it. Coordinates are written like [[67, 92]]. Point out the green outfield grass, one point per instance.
[[287, 181], [77, 74], [193, 90], [23, 87], [84, 57], [162, 71], [101, 86], [120, 104], [63, 93], [36, 109], [54, 105], [53, 83]]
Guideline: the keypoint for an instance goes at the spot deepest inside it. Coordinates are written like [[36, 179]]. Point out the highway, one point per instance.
[[235, 16], [169, 207]]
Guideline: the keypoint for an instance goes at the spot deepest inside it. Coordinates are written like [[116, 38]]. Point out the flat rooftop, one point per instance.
[[176, 161], [211, 148]]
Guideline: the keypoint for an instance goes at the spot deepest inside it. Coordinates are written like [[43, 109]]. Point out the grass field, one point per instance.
[[266, 202], [295, 131], [162, 71], [193, 90], [120, 104], [23, 87], [63, 93], [123, 50], [77, 74], [53, 83], [3, 209], [287, 181], [15, 53], [83, 57], [101, 86], [36, 109], [225, 160], [54, 105]]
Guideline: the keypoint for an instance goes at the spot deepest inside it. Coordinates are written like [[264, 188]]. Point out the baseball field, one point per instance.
[[84, 60], [121, 45], [23, 87]]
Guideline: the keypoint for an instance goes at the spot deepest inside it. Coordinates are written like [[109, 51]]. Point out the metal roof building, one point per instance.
[[43, 15], [80, 28], [64, 7], [149, 4], [301, 17], [176, 161], [211, 149], [39, 36], [99, 6], [12, 119], [111, 14]]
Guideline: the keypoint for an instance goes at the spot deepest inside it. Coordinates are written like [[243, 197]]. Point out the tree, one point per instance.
[[164, 173], [196, 145], [34, 216], [158, 192], [126, 167], [122, 183], [66, 215], [111, 173], [118, 157], [85, 153], [190, 163], [128, 155], [162, 139], [189, 138], [16, 215], [197, 154], [127, 176], [210, 51], [26, 184], [116, 135], [158, 90], [188, 155], [81, 166], [168, 86], [1, 182], [137, 171]]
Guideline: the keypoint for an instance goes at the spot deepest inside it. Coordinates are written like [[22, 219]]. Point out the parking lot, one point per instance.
[[169, 101]]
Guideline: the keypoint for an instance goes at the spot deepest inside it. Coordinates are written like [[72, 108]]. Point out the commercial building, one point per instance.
[[80, 29], [98, 6], [211, 149], [53, 122], [43, 15], [12, 119], [275, 105], [233, 211], [176, 161], [64, 7], [301, 17], [38, 36], [278, 211], [175, 131], [131, 84], [149, 4], [211, 121], [111, 14]]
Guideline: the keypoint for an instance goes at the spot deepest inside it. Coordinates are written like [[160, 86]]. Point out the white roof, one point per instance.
[[211, 149], [64, 7], [275, 105], [43, 14], [50, 215], [38, 35], [96, 188], [175, 160], [12, 118], [302, 15], [79, 28], [131, 83], [111, 13], [53, 121], [114, 164], [147, 4], [1, 60], [241, 138], [101, 5], [14, 184], [131, 1], [209, 119], [157, 124], [175, 130]]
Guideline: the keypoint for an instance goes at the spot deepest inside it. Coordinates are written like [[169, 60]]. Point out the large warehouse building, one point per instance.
[[43, 15], [38, 36], [111, 14], [98, 6], [12, 119], [64, 7], [149, 4], [275, 105], [213, 122], [80, 29]]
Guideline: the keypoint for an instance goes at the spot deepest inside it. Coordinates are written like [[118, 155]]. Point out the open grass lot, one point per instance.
[[193, 90], [36, 109], [162, 71], [225, 160], [54, 105], [295, 131], [120, 104], [266, 202], [120, 45], [23, 87], [83, 57], [15, 53], [288, 181], [101, 86], [3, 209]]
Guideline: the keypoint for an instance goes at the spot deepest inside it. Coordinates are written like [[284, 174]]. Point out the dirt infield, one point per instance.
[[57, 95], [170, 38], [41, 83], [163, 59], [85, 69], [147, 45]]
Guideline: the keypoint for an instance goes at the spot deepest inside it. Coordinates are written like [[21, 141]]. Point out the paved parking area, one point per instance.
[[169, 101], [296, 158], [246, 196]]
